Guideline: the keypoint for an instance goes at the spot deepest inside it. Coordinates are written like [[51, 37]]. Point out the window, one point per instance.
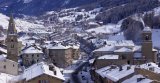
[[12, 46], [32, 55], [147, 37], [26, 55], [128, 62], [123, 57], [13, 65], [37, 60], [37, 55], [4, 67], [11, 40]]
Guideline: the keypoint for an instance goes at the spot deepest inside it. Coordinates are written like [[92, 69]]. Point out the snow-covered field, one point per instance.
[[86, 15], [108, 29], [21, 25]]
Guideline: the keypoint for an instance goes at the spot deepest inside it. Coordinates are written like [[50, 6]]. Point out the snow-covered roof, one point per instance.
[[114, 74], [147, 66], [5, 78], [3, 50], [3, 57], [124, 49], [134, 78], [125, 43], [37, 70], [109, 57], [147, 29], [31, 50], [111, 45], [105, 48], [93, 23], [60, 46], [137, 48]]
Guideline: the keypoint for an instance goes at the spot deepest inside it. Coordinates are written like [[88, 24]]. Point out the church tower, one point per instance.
[[147, 45], [12, 41]]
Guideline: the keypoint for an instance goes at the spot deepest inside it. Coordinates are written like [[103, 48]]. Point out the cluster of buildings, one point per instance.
[[34, 63], [124, 62]]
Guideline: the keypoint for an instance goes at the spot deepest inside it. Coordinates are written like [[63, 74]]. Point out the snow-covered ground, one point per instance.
[[22, 25], [86, 15], [27, 1], [156, 38], [108, 29]]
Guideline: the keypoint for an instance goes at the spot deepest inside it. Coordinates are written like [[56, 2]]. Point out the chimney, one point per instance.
[[55, 72], [128, 67], [120, 68], [140, 79], [149, 64], [51, 67]]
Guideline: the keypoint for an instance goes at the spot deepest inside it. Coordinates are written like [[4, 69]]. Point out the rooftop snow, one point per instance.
[[124, 49], [39, 69], [3, 50], [109, 57], [31, 50], [147, 66], [111, 45], [147, 29], [106, 48], [60, 46], [125, 43], [133, 79], [114, 74]]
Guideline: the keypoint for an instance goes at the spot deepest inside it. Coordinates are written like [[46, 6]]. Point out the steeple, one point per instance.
[[12, 41], [147, 45], [11, 26]]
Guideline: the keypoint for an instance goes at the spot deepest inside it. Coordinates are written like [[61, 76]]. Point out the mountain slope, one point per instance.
[[37, 7]]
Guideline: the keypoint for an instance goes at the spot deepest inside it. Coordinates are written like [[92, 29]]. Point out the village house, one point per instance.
[[107, 60], [61, 55], [145, 73], [40, 73], [31, 54], [8, 66]]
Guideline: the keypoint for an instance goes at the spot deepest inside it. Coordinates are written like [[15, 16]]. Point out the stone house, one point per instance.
[[8, 66], [62, 56], [31, 54]]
